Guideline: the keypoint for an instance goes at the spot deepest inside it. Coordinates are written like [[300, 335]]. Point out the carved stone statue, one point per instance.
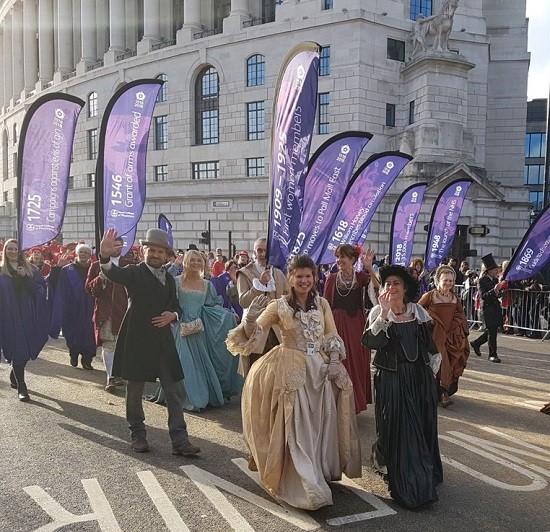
[[439, 26]]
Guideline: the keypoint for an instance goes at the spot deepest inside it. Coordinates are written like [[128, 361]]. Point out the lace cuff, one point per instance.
[[238, 343], [332, 343], [379, 325]]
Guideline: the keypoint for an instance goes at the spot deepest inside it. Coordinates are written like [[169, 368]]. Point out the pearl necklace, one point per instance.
[[348, 287]]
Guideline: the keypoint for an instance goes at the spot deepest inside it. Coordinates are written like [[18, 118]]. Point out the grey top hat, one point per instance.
[[156, 237]]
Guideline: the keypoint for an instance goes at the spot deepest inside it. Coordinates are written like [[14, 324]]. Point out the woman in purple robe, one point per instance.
[[73, 309], [24, 313]]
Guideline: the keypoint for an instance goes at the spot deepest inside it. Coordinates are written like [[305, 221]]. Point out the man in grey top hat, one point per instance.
[[145, 348]]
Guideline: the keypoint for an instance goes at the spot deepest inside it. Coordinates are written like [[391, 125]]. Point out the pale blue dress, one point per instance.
[[210, 371]]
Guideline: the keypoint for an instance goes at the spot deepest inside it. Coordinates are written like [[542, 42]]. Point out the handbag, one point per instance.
[[187, 328]]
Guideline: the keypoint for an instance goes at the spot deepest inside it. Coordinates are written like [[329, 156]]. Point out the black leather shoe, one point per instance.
[[494, 359], [87, 364], [186, 449], [140, 445], [74, 359], [13, 380], [475, 348], [22, 392]]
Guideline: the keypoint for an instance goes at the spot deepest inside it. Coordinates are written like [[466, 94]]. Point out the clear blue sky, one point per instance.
[[538, 13]]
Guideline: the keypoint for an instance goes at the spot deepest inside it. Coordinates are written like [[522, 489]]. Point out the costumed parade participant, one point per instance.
[[450, 331], [298, 408], [406, 452], [25, 313]]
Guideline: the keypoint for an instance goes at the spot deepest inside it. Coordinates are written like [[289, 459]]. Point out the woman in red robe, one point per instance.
[[347, 293]]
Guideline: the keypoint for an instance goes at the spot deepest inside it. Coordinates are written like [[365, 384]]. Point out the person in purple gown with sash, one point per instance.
[[24, 313], [73, 309]]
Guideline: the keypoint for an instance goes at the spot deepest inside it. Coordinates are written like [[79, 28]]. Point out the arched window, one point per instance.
[[207, 107], [92, 104], [5, 155], [255, 70], [162, 94]]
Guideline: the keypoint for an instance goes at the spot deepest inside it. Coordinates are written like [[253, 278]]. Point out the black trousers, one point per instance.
[[489, 336]]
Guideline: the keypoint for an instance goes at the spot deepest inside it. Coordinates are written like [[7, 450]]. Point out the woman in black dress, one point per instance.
[[406, 452]]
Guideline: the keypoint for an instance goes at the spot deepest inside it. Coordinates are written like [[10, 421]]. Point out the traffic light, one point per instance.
[[205, 239]]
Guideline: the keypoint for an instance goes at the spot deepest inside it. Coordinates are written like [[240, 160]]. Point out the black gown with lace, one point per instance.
[[407, 450]]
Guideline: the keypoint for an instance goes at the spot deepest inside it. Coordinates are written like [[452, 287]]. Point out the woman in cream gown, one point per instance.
[[298, 406]]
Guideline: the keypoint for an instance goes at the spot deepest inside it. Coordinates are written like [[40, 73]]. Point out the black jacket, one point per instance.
[[140, 345], [388, 346]]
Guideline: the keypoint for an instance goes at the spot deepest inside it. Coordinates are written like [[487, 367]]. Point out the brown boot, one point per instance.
[[446, 400]]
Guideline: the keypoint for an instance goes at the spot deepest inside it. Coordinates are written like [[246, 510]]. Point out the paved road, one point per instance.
[[65, 460]]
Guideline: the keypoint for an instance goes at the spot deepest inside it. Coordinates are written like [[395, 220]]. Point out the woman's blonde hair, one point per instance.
[[187, 260], [22, 260]]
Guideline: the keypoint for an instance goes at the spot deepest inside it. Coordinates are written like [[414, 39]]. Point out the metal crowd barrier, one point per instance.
[[526, 313]]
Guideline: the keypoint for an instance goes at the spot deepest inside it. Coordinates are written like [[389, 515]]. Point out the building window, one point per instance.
[[162, 93], [534, 174], [324, 61], [411, 112], [327, 4], [535, 145], [14, 134], [536, 110], [323, 113], [92, 104], [5, 155], [160, 173], [418, 7], [161, 132], [255, 167], [255, 70], [70, 183], [255, 119], [390, 114], [6, 197], [206, 170], [396, 49], [14, 159], [207, 107], [92, 144], [91, 180], [535, 199]]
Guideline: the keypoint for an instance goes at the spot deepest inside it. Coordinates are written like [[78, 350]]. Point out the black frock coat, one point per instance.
[[140, 345], [492, 310]]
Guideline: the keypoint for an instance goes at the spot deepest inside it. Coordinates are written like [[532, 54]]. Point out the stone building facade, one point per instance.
[[459, 112]]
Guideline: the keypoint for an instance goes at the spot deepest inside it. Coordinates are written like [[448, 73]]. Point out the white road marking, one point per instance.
[[209, 484], [382, 509], [515, 440], [101, 509], [166, 509], [537, 482]]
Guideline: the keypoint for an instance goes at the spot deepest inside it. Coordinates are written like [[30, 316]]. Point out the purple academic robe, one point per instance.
[[25, 315], [73, 308], [220, 284]]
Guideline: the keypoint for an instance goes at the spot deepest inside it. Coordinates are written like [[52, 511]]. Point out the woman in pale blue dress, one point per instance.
[[210, 371]]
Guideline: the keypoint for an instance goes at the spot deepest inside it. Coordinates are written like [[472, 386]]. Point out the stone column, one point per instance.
[[239, 13], [191, 21], [17, 50], [151, 20], [45, 43], [2, 61], [117, 30], [87, 35], [8, 61], [30, 44], [65, 63]]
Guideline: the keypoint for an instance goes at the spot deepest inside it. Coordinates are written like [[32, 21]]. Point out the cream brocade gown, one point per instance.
[[299, 427]]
